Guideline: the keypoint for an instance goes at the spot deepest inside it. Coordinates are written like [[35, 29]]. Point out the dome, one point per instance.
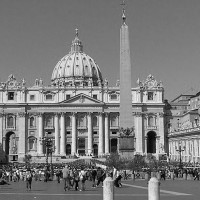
[[76, 68]]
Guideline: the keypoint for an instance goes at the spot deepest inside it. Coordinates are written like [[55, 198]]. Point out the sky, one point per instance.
[[164, 39]]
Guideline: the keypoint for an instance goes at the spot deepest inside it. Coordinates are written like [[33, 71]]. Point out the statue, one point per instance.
[[23, 82], [41, 82], [106, 83], [117, 83], [36, 82]]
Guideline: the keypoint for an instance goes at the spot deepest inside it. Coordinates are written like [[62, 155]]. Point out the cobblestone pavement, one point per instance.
[[137, 190]]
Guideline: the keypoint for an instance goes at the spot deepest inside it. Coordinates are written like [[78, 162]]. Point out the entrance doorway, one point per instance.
[[81, 146], [68, 149], [113, 145], [11, 147], [151, 142], [95, 149]]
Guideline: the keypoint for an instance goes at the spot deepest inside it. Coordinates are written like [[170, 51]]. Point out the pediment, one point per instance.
[[81, 99]]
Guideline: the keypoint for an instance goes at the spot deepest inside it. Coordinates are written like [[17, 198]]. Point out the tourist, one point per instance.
[[93, 174], [28, 179], [76, 179], [82, 176], [100, 176], [66, 178]]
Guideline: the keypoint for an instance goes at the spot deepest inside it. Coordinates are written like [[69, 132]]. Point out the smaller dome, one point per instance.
[[76, 68]]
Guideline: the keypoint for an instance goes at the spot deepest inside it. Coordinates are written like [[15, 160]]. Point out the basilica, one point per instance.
[[79, 113]]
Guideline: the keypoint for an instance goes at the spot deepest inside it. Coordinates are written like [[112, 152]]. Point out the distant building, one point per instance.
[[79, 112], [184, 128]]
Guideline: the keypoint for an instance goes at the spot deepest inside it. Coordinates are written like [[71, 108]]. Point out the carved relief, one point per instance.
[[149, 83], [21, 114]]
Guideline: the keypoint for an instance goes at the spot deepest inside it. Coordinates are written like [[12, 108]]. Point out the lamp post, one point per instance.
[[48, 143], [180, 150]]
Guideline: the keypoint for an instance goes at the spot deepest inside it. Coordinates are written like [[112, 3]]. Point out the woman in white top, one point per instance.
[[82, 176]]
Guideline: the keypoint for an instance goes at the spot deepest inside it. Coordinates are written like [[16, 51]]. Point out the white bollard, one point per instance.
[[108, 189], [154, 189]]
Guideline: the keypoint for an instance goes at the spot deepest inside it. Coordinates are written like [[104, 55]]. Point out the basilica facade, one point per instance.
[[79, 112]]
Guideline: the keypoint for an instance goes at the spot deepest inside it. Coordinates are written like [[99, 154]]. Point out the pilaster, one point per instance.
[[74, 134], [62, 135]]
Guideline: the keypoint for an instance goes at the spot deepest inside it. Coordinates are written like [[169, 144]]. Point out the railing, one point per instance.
[[10, 127], [151, 127]]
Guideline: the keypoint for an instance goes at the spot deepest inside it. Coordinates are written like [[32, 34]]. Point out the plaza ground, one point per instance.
[[137, 190]]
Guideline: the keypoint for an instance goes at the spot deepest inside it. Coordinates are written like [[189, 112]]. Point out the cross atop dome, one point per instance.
[[76, 32], [76, 43]]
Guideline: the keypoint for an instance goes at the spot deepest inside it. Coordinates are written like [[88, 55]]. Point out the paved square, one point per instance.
[[137, 190]]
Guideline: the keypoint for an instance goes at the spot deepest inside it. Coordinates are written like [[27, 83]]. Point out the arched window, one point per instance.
[[95, 121], [32, 143], [10, 122], [32, 122]]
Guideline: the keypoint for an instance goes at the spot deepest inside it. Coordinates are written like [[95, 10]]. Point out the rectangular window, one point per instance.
[[150, 96], [114, 132], [32, 97], [68, 132], [95, 132], [94, 96], [113, 97], [68, 96], [11, 95], [49, 97]]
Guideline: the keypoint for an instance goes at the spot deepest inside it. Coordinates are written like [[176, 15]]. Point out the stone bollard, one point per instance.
[[154, 189], [108, 189]]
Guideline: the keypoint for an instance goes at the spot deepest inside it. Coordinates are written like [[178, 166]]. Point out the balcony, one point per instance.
[[82, 127], [10, 127], [49, 127], [151, 127]]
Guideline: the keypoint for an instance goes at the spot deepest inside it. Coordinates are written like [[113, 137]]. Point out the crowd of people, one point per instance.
[[75, 175]]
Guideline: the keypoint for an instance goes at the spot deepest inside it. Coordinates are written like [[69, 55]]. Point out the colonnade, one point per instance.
[[190, 149], [60, 133]]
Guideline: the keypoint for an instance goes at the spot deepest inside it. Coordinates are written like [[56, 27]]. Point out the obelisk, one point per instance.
[[126, 120]]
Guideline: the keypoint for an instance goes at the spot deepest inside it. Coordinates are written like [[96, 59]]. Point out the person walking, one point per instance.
[[76, 179], [82, 176], [66, 177], [28, 178], [93, 174], [100, 176]]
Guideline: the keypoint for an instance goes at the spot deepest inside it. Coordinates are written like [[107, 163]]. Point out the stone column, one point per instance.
[[157, 144], [22, 143], [74, 137], [145, 144], [1, 129], [56, 124], [100, 147], [62, 135], [160, 117], [107, 134], [90, 148], [139, 132], [40, 133]]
